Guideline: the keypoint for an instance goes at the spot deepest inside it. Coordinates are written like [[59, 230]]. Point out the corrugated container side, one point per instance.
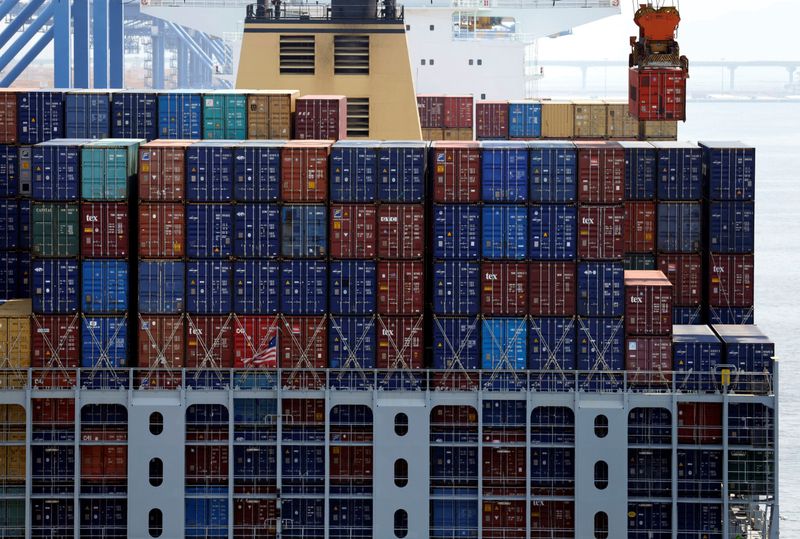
[[553, 232], [40, 115], [504, 172], [731, 315], [696, 350], [685, 273], [304, 171], [303, 342], [456, 288], [680, 174], [400, 287], [431, 111], [591, 120], [730, 170], [639, 261], [9, 166], [269, 114], [458, 111], [209, 342], [703, 517], [162, 170], [601, 344], [8, 117], [558, 120], [304, 231], [504, 519], [649, 354], [209, 172], [700, 473], [56, 170], [554, 171], [504, 289], [731, 227], [689, 315], [304, 288], [55, 341], [401, 231], [601, 172], [457, 231], [699, 423], [524, 119], [351, 342], [225, 116], [104, 342], [354, 172], [55, 230], [504, 343], [620, 124], [552, 518], [162, 342], [320, 117], [104, 286], [731, 280], [255, 342], [15, 275], [353, 230], [352, 287], [657, 94], [208, 287], [640, 170], [49, 518], [746, 347], [551, 344], [601, 289], [161, 230], [453, 518], [55, 286], [134, 114], [400, 342], [255, 286], [179, 115], [257, 230], [401, 171], [553, 288], [257, 171], [456, 171], [658, 130], [491, 120], [434, 133], [640, 227], [9, 224], [87, 115], [679, 227], [209, 230], [648, 303], [505, 232], [104, 230], [601, 232]]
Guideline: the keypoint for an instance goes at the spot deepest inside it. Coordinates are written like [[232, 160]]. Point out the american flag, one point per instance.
[[266, 357]]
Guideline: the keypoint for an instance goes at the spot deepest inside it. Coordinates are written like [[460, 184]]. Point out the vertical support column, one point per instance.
[[480, 457], [62, 47], [28, 456], [183, 67], [231, 460], [100, 36], [115, 45], [158, 55], [529, 474], [80, 41], [726, 478], [279, 451], [674, 467], [327, 463], [76, 510]]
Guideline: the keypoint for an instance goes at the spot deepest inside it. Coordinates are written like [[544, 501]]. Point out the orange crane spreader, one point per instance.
[[656, 45]]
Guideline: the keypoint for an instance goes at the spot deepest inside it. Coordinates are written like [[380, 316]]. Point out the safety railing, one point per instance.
[[535, 4], [314, 12]]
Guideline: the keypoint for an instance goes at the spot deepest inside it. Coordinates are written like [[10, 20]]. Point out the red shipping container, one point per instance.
[[162, 347], [206, 465], [731, 280], [255, 342], [450, 415], [648, 303], [657, 94], [685, 272], [320, 117], [504, 519], [49, 413], [504, 288], [601, 172], [351, 465], [647, 356], [162, 170], [161, 230], [491, 120], [458, 111], [304, 171], [303, 342], [552, 519], [401, 231], [104, 464], [457, 171], [353, 230], [640, 227], [601, 232], [209, 342], [254, 518], [104, 230], [303, 411], [400, 342], [55, 341], [699, 423], [401, 288], [504, 471], [552, 288], [431, 111], [8, 117]]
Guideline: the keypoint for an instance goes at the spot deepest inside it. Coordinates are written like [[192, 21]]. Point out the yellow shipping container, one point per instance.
[[12, 423], [558, 120], [12, 465], [15, 342], [658, 130], [590, 119], [432, 133], [458, 134], [269, 113], [620, 124]]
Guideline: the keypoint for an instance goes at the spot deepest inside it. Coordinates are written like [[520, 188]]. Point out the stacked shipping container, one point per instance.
[[446, 117]]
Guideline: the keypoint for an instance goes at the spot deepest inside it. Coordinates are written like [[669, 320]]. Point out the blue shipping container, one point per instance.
[[503, 413], [255, 286], [601, 289], [209, 230], [601, 344], [354, 171], [353, 287], [304, 231], [40, 116], [257, 229], [456, 288], [553, 232], [699, 473], [161, 287], [9, 224], [104, 286], [679, 227], [254, 463], [703, 520], [454, 519], [504, 343], [680, 171], [134, 114], [257, 171], [304, 287], [455, 343], [24, 240], [179, 115], [696, 350], [731, 315], [552, 468], [524, 119], [401, 171], [14, 275], [449, 464], [554, 171], [649, 521], [551, 344], [87, 115], [746, 347], [206, 517], [640, 170], [209, 172], [751, 424], [504, 171], [505, 232], [352, 343], [208, 287], [730, 170], [9, 171], [350, 518], [687, 315], [55, 286], [731, 227], [302, 517], [457, 231], [104, 341], [56, 169]]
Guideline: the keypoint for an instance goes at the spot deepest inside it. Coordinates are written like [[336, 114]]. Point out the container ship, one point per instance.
[[285, 314]]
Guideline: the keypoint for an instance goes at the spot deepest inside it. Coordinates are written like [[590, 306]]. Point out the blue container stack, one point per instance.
[[180, 115], [640, 194], [87, 114], [134, 114], [15, 227], [524, 120], [40, 116], [696, 352]]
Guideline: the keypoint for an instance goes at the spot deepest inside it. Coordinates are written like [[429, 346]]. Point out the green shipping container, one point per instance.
[[12, 515], [751, 473], [107, 167], [225, 116], [55, 230]]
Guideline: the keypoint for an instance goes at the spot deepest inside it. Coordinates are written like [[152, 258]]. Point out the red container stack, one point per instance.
[[731, 280], [504, 288], [304, 171], [55, 345], [104, 230], [353, 230], [657, 94], [320, 117], [685, 271], [457, 172], [401, 231], [601, 232], [552, 288], [431, 111], [601, 173], [640, 227], [491, 120], [446, 117], [648, 326], [458, 112], [8, 117]]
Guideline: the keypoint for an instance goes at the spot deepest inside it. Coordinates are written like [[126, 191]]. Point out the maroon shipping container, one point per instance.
[[353, 230], [648, 303], [104, 230], [491, 120], [351, 465], [601, 232], [255, 342], [640, 227], [401, 288], [699, 423], [254, 518], [162, 346], [504, 519], [320, 117], [161, 230], [162, 170], [55, 341], [401, 231], [8, 117], [431, 111], [504, 471], [206, 465], [685, 272], [400, 342], [209, 342], [649, 354], [49, 413], [731, 279], [105, 464], [450, 415], [304, 171], [504, 288], [303, 342], [551, 519], [303, 411], [601, 172], [552, 288], [657, 94], [458, 112], [457, 171]]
